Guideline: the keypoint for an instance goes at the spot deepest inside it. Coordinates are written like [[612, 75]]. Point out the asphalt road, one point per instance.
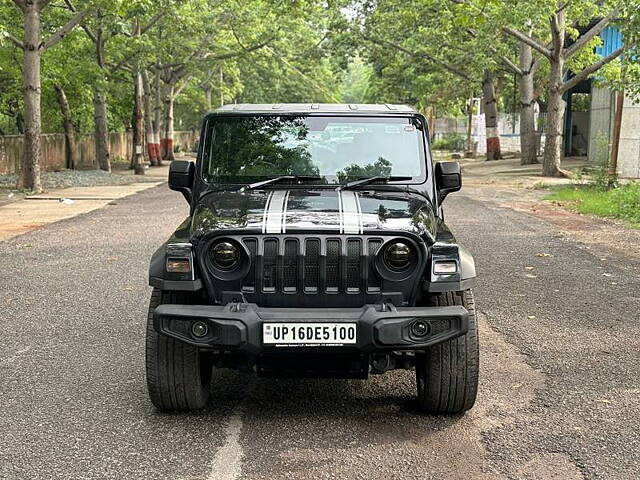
[[559, 397]]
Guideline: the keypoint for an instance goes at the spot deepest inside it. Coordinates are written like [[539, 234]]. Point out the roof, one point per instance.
[[350, 108]]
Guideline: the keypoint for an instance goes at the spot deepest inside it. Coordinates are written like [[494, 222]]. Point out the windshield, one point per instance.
[[241, 150]]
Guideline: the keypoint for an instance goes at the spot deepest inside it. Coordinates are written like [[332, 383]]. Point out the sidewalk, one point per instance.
[[34, 211], [510, 173]]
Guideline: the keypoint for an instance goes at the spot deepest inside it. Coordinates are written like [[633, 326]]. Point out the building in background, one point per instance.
[[601, 119]]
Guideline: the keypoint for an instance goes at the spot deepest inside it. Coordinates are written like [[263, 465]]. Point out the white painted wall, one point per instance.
[[509, 140]]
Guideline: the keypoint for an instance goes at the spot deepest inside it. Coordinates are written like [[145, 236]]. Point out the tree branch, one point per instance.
[[557, 33], [224, 56], [114, 67], [12, 39], [583, 39], [512, 66], [87, 30], [122, 64], [503, 58], [563, 6], [594, 67], [155, 19], [514, 33], [21, 4], [178, 90], [441, 63], [65, 29], [528, 40]]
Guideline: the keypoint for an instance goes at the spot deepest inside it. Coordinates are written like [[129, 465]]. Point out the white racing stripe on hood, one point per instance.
[[274, 212], [266, 211], [284, 211], [351, 214], [340, 211]]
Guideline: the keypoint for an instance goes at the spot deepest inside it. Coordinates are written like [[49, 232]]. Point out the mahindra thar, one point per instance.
[[315, 246]]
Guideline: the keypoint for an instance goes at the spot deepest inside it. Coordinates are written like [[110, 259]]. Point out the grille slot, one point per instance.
[[373, 281], [270, 264], [250, 281], [354, 249], [333, 266], [290, 266], [312, 265]]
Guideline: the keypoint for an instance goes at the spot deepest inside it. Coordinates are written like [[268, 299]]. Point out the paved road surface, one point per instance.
[[559, 396]]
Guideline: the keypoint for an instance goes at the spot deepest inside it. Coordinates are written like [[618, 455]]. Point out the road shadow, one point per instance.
[[388, 398]]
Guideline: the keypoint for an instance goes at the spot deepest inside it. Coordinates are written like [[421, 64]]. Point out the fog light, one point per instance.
[[419, 328], [445, 268], [199, 329]]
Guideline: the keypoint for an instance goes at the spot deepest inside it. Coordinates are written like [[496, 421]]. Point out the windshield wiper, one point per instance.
[[298, 178], [374, 179]]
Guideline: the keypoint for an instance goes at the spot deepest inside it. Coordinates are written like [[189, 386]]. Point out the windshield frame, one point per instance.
[[205, 147]]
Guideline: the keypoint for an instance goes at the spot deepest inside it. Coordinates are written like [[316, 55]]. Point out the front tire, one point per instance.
[[447, 373], [178, 374]]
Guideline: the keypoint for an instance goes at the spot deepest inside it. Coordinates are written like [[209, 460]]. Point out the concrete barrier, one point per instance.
[[54, 149]]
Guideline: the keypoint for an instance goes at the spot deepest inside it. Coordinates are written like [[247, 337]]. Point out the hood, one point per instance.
[[280, 211]]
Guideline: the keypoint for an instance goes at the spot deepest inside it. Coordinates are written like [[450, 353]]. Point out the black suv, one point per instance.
[[315, 247]]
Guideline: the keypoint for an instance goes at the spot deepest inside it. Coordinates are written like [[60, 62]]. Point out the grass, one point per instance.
[[622, 202]]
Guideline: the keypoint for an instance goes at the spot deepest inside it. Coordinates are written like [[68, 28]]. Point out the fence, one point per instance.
[[54, 149], [508, 129]]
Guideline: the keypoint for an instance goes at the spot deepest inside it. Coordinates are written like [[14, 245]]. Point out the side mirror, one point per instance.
[[448, 179], [181, 175]]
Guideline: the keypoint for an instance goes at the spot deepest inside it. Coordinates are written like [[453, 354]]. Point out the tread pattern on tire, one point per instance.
[[449, 371], [175, 380]]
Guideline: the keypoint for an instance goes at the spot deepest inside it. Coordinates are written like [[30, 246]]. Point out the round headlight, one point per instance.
[[225, 256], [398, 256]]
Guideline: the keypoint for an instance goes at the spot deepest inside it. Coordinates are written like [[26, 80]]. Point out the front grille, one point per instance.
[[311, 265]]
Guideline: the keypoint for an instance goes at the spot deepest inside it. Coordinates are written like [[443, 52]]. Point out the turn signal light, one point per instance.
[[178, 265], [445, 268]]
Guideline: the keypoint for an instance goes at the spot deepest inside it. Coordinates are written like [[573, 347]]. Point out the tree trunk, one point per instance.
[[470, 150], [153, 150], [69, 129], [491, 117], [221, 86], [138, 127], [157, 114], [430, 123], [556, 105], [167, 141], [612, 170], [553, 135], [103, 155], [207, 96], [528, 140], [30, 171]]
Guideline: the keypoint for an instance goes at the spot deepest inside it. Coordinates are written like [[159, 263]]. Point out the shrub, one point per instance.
[[449, 141]]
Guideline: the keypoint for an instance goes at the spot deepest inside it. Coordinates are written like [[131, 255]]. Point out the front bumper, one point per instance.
[[238, 327]]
